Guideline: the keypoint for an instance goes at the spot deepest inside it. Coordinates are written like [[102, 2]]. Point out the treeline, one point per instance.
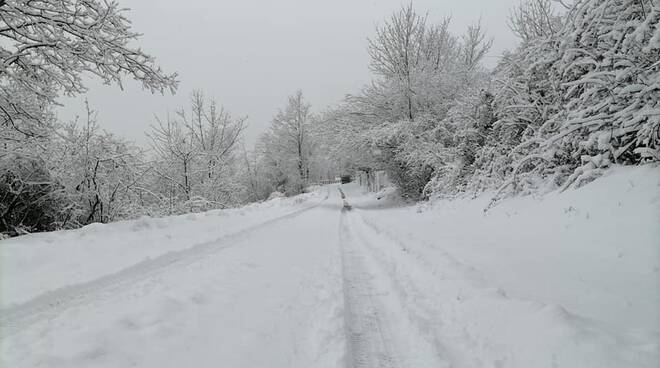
[[63, 175], [579, 94], [60, 175], [55, 175], [76, 173], [71, 174]]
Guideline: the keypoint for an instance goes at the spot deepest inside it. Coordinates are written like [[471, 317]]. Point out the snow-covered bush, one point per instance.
[[30, 199], [275, 195], [571, 103], [609, 69]]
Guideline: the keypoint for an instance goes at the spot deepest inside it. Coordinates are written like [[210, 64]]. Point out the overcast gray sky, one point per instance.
[[251, 54]]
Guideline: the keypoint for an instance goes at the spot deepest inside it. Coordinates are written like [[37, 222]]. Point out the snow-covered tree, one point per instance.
[[411, 59], [47, 45], [78, 175], [422, 71], [196, 154], [535, 19], [101, 173], [286, 148]]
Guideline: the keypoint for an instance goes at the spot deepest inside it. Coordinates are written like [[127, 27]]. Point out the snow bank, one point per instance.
[[570, 279], [37, 263]]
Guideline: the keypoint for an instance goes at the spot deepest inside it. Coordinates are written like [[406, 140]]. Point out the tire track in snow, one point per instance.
[[53, 303], [378, 331], [368, 338], [464, 307]]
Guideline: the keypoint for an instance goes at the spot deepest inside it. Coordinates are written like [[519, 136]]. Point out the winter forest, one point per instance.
[[330, 184], [580, 92]]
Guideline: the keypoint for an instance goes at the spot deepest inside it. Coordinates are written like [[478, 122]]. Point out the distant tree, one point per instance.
[[474, 46], [287, 146], [535, 19], [251, 177], [177, 150], [196, 152], [410, 56]]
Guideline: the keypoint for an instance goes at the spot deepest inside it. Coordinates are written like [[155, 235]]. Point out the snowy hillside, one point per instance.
[[568, 280]]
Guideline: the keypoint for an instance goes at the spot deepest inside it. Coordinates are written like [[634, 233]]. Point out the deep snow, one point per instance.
[[568, 280], [594, 250], [42, 262]]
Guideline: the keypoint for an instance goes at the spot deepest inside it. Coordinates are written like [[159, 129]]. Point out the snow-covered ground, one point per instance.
[[42, 262], [568, 280]]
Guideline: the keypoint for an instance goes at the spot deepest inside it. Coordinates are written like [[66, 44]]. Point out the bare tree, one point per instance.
[[533, 19], [171, 143], [292, 127], [212, 129], [99, 171], [286, 148], [397, 50], [196, 149], [475, 46], [412, 57]]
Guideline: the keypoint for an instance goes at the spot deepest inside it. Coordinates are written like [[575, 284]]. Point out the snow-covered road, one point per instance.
[[262, 297], [307, 282]]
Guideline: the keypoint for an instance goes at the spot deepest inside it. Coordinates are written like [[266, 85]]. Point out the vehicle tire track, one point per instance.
[[51, 304], [368, 336], [382, 328]]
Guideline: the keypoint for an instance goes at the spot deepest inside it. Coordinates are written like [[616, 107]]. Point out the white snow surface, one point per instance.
[[37, 263], [571, 279]]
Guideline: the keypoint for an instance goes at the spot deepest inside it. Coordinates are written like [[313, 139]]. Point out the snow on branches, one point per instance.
[[609, 70], [195, 157], [580, 93], [47, 45], [55, 175]]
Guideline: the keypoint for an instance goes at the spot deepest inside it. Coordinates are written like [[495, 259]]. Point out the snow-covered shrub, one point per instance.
[[275, 195], [609, 69], [572, 102], [30, 199]]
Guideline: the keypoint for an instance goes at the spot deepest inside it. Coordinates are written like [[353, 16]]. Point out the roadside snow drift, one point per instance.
[[567, 280], [34, 264]]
